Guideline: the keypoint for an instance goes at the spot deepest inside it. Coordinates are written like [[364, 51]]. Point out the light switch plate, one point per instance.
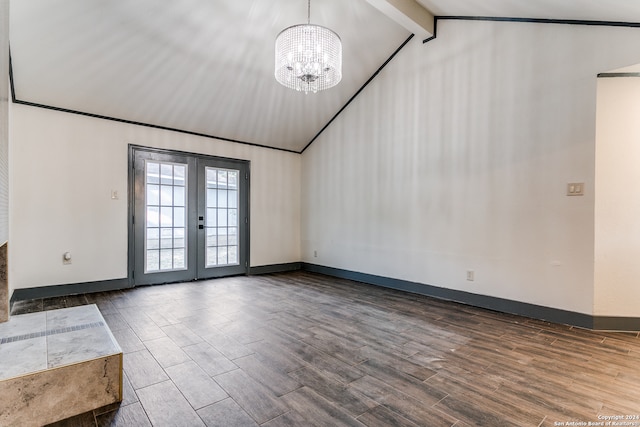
[[575, 189]]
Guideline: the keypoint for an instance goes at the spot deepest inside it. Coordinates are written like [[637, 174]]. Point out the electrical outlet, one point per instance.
[[470, 275], [315, 254]]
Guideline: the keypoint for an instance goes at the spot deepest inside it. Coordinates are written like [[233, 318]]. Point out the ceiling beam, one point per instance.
[[408, 13]]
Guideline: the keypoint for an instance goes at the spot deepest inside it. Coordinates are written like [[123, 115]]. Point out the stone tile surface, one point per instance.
[[196, 386], [76, 346], [143, 370], [24, 324], [57, 364], [181, 335], [61, 337], [129, 395], [166, 406], [20, 357], [209, 359], [166, 352], [73, 316], [226, 413], [128, 340], [256, 399]]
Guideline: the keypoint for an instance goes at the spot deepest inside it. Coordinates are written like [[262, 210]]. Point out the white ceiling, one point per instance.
[[206, 66]]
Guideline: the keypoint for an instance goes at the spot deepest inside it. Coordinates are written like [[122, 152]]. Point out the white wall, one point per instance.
[[617, 205], [4, 156], [457, 158], [63, 168], [4, 121]]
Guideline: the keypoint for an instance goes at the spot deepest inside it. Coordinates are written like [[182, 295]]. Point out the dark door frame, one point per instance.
[[241, 164]]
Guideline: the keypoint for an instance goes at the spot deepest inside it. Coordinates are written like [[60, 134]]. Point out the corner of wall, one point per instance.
[[617, 202], [4, 157]]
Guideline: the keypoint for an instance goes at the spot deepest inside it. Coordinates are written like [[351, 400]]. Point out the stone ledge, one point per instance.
[[57, 364]]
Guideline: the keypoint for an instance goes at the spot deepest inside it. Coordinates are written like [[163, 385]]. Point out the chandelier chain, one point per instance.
[[308, 11]]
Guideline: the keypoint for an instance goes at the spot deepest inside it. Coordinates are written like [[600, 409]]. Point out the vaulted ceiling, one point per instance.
[[206, 66]]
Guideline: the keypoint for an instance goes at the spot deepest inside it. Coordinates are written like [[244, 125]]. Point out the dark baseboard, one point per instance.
[[622, 324], [549, 314], [117, 284], [69, 289], [275, 268], [581, 320]]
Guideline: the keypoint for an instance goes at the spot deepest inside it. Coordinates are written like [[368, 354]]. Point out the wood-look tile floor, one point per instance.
[[300, 349]]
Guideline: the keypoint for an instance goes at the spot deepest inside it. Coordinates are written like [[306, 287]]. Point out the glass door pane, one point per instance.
[[223, 240], [163, 225], [221, 217], [166, 221]]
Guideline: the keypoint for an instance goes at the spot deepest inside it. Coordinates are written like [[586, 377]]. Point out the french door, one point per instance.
[[188, 216]]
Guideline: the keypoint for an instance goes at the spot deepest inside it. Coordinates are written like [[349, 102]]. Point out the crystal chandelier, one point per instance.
[[308, 57]]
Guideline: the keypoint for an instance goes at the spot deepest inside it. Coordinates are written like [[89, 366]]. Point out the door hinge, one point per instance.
[[133, 219], [246, 220], [246, 175]]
